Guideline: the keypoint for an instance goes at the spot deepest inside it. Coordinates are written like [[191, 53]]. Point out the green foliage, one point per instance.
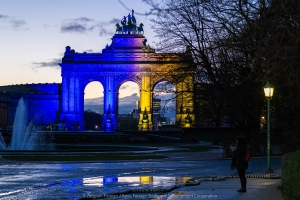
[[291, 175]]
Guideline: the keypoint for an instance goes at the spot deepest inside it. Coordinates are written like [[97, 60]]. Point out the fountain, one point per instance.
[[25, 137]]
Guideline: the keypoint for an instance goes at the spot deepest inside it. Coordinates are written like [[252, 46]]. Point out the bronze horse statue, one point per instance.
[[119, 28], [140, 28]]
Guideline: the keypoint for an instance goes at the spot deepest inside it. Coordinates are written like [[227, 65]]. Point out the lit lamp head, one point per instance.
[[268, 89]]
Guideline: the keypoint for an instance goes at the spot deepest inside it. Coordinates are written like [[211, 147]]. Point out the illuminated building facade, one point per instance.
[[42, 101], [4, 103], [156, 112], [127, 58]]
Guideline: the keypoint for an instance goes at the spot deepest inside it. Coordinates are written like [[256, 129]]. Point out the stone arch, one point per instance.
[[83, 81], [134, 78], [124, 60]]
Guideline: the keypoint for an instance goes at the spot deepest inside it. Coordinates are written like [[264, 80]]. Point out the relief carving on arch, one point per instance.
[[121, 78], [155, 78], [85, 79]]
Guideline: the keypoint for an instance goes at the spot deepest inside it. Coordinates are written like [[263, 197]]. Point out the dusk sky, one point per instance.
[[34, 34]]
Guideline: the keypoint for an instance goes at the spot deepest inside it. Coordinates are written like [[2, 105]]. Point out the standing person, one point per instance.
[[238, 161]]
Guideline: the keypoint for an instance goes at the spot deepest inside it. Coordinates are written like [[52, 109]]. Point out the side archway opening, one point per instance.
[[93, 106], [163, 104], [128, 108]]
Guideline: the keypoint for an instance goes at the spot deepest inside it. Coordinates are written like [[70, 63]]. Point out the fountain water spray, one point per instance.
[[25, 137]]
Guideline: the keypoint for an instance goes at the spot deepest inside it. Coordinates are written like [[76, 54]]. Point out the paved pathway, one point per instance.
[[65, 180]]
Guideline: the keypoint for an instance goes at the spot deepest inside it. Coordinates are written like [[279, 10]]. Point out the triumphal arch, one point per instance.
[[127, 58]]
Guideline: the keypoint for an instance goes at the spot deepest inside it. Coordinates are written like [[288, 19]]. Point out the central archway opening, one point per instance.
[[93, 106], [128, 112]]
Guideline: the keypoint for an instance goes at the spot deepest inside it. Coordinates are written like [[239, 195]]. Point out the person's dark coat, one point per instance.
[[238, 156]]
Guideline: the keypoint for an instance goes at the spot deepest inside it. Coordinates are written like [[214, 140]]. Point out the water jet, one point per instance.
[[25, 135]]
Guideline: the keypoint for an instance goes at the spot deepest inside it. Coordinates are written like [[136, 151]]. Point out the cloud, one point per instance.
[[16, 24], [78, 25], [129, 99], [103, 32], [114, 21], [103, 28], [52, 63], [94, 101], [124, 87], [85, 25], [135, 88], [73, 27], [11, 22], [84, 19], [3, 16], [132, 88]]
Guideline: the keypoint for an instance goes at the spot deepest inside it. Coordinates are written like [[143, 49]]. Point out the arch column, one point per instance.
[[145, 119], [185, 115], [79, 105], [110, 105], [65, 93], [72, 103]]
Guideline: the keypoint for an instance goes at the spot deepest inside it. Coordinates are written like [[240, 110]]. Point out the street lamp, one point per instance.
[[268, 89]]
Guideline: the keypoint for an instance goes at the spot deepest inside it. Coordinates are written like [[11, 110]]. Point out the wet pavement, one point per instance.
[[148, 179]]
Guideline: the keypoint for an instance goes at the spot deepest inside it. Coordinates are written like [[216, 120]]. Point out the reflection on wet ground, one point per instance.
[[94, 186], [76, 180], [47, 181], [154, 181]]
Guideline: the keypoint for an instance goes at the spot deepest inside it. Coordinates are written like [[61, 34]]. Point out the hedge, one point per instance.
[[291, 176]]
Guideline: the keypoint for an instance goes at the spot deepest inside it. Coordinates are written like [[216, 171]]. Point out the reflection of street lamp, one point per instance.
[[268, 89], [263, 121]]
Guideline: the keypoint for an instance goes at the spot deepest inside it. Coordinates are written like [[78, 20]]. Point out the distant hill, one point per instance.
[[126, 105]]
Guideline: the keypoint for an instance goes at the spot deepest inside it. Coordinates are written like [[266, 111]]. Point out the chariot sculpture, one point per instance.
[[128, 25]]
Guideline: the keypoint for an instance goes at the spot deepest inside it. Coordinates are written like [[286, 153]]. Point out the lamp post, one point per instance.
[[268, 89]]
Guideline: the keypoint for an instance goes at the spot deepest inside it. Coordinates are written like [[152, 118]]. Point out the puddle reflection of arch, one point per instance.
[[135, 180]]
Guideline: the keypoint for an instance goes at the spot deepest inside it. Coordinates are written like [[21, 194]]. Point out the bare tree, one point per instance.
[[266, 32], [237, 46], [192, 26]]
